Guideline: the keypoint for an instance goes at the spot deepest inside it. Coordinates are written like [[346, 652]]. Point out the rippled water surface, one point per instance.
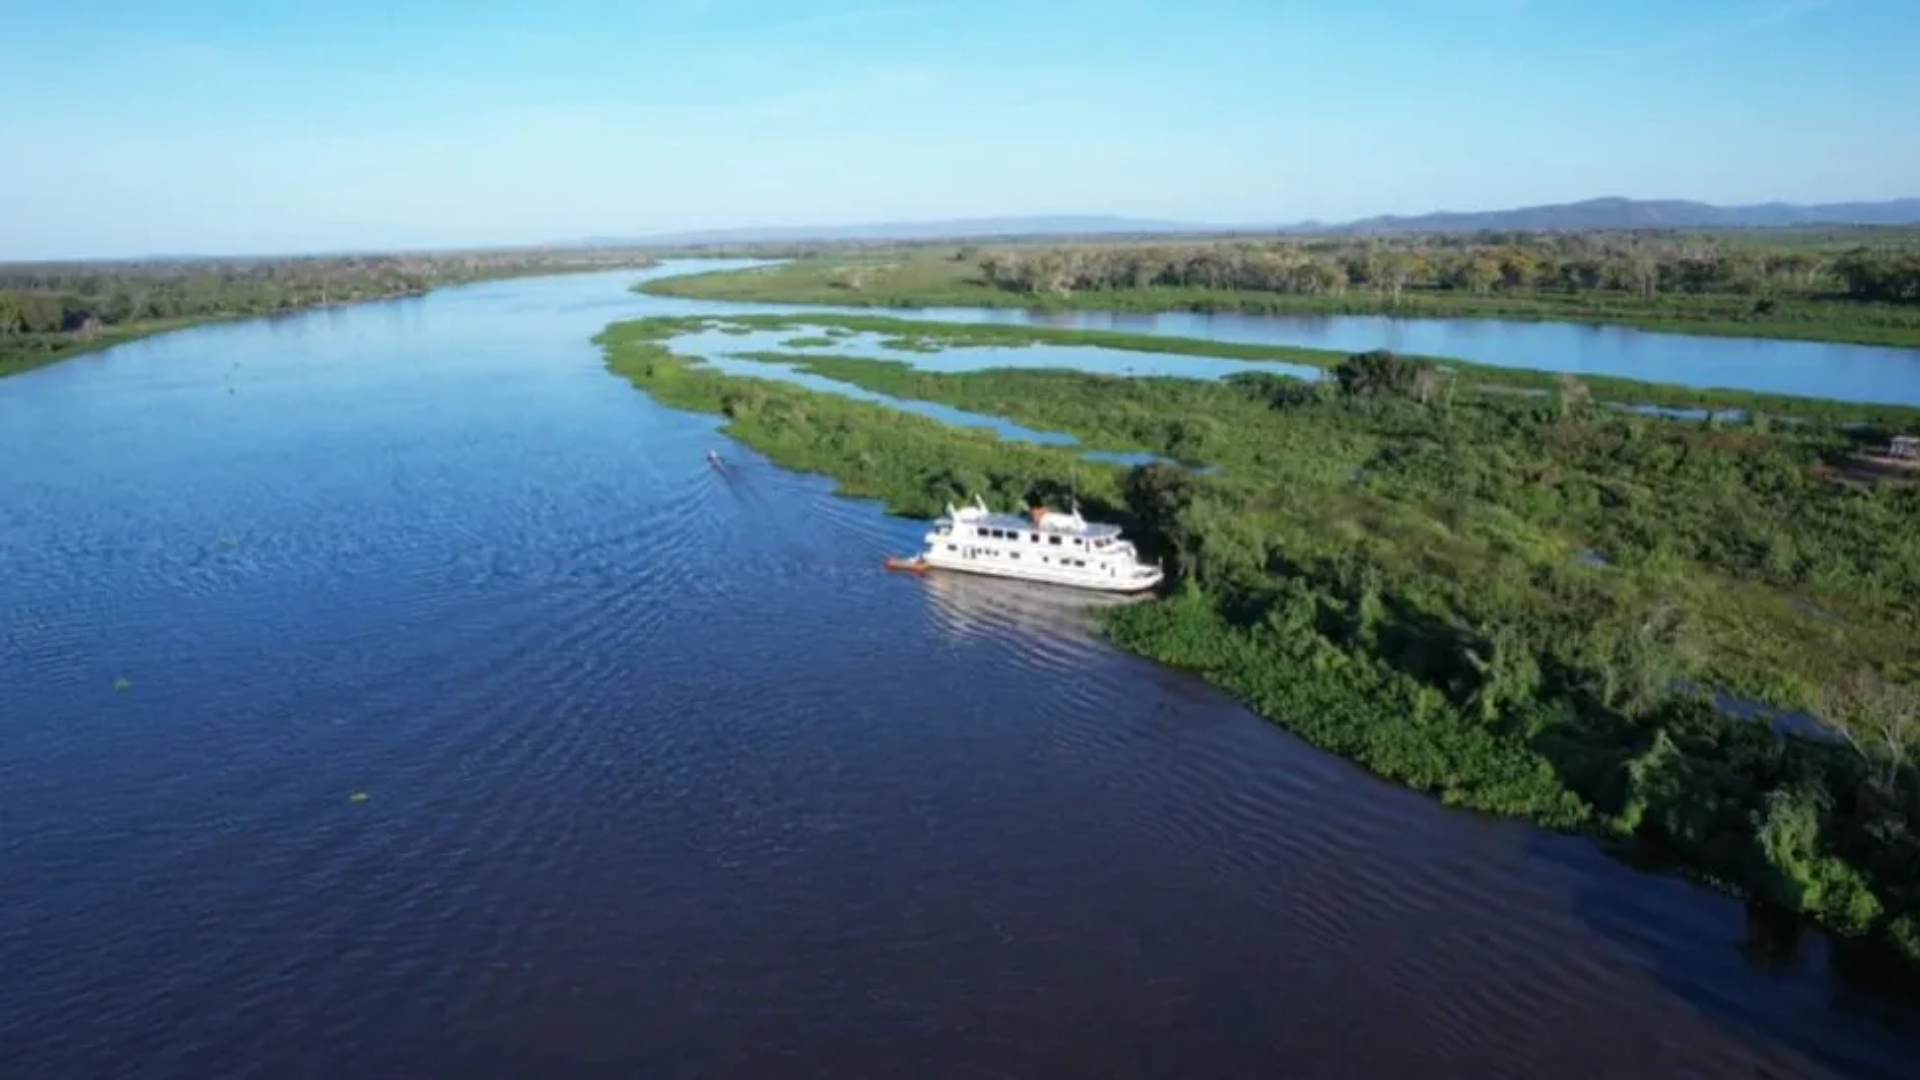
[[389, 691]]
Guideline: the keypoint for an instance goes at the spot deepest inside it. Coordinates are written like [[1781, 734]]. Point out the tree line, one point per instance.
[[50, 304], [1637, 265]]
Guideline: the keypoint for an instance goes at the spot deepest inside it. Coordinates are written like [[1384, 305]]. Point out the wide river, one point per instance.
[[390, 691]]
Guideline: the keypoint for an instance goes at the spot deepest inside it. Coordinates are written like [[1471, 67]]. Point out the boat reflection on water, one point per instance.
[[970, 606]]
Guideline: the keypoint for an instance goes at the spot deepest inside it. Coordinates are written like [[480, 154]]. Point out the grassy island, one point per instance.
[[1853, 285], [50, 312], [1518, 603]]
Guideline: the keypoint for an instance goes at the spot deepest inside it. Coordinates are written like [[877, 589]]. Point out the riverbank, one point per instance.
[[57, 311], [916, 335], [1486, 597], [15, 360], [936, 278]]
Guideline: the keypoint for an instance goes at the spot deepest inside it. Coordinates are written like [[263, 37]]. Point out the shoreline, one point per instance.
[[34, 361], [927, 335], [756, 285], [24, 361]]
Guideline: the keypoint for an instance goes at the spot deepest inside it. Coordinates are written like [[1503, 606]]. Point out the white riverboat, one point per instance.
[[1059, 548]]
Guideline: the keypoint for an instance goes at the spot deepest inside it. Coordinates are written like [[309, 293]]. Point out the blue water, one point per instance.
[[1861, 373], [1098, 361], [391, 691]]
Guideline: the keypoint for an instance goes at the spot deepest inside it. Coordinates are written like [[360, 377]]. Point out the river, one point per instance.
[[1872, 374], [389, 690]]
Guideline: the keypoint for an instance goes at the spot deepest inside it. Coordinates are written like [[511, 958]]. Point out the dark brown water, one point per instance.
[[664, 777]]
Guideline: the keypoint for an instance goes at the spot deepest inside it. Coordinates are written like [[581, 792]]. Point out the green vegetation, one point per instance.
[[52, 311], [913, 335], [23, 352], [1392, 570], [912, 463], [1868, 293]]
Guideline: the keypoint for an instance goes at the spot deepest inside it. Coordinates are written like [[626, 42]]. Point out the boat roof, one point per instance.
[[1052, 522]]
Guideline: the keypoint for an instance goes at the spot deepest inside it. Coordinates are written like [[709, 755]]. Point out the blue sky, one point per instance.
[[139, 126]]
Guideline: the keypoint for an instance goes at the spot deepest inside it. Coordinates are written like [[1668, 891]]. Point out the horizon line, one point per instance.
[[1147, 227]]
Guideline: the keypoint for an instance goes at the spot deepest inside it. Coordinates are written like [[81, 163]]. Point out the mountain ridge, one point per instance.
[[1611, 212], [1616, 212]]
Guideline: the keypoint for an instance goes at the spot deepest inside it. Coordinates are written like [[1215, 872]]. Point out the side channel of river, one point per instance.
[[389, 690], [1841, 372]]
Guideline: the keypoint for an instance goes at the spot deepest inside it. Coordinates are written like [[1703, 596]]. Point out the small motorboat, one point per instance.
[[713, 459], [907, 566]]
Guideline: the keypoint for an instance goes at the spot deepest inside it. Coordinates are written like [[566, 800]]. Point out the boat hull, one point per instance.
[[1040, 576]]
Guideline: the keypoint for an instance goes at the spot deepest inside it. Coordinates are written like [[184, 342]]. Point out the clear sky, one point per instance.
[[143, 126]]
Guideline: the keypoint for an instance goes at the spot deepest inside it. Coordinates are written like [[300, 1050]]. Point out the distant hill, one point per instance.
[[1619, 213], [1603, 213]]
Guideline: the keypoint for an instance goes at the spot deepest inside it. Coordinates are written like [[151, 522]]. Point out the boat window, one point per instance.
[[953, 547], [1054, 540], [978, 531], [1035, 537], [1013, 554]]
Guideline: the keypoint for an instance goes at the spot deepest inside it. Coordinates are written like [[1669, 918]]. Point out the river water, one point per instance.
[[390, 691], [1859, 373]]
